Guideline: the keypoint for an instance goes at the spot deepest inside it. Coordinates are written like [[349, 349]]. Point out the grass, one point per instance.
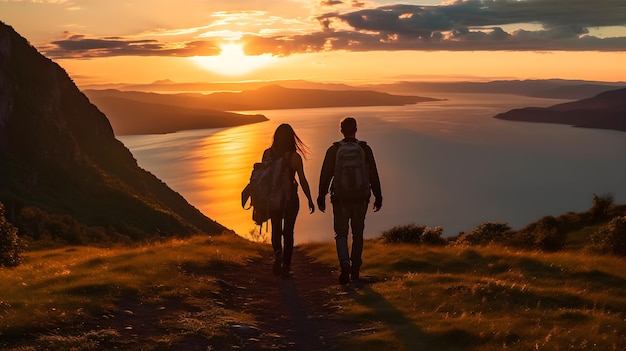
[[70, 286], [485, 298], [417, 298]]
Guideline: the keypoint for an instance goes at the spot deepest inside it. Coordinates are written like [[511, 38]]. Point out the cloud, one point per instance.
[[479, 25], [81, 46], [284, 45], [353, 25], [331, 2], [549, 13]]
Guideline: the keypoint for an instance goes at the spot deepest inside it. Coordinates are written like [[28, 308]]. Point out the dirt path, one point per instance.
[[296, 313]]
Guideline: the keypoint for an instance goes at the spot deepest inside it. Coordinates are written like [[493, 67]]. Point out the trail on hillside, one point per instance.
[[295, 313], [298, 313]]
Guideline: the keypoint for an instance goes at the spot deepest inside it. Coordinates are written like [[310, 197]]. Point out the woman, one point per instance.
[[286, 143]]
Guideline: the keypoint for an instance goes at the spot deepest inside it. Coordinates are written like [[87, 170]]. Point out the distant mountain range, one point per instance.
[[604, 111], [133, 112], [63, 174], [273, 97], [545, 88], [150, 113], [139, 112], [170, 86]]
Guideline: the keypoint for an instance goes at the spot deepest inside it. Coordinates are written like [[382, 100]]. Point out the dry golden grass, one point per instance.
[[484, 298], [414, 297], [71, 286]]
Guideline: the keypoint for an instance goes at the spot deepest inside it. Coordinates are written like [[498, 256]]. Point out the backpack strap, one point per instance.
[[245, 195]]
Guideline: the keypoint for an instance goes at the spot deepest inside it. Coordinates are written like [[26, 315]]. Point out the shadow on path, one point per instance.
[[296, 313], [408, 335]]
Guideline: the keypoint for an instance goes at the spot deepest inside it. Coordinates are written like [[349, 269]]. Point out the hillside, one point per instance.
[[128, 116], [545, 88], [268, 97], [134, 112], [278, 97], [603, 111], [64, 175], [218, 293]]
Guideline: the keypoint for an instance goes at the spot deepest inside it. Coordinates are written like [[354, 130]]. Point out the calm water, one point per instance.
[[446, 164]]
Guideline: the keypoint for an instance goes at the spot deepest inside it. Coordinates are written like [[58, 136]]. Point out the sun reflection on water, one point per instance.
[[225, 161]]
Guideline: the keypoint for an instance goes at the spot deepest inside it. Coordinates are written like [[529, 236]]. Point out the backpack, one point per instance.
[[351, 178], [270, 188]]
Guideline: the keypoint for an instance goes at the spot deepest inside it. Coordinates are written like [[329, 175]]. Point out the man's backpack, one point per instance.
[[351, 178], [270, 188]]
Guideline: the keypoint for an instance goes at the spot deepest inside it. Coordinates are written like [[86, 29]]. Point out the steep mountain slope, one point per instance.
[[604, 111], [58, 155]]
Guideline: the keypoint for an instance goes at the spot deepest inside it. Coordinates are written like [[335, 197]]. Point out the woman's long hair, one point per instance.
[[285, 140]]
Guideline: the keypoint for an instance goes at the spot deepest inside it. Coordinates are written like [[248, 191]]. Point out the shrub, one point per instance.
[[612, 237], [549, 234], [601, 205], [43, 228], [486, 233], [414, 234], [9, 242], [432, 236]]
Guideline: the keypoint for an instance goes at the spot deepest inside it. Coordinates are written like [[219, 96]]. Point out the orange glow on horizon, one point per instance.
[[362, 67]]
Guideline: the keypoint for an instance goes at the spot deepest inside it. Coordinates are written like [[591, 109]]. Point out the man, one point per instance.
[[349, 207]]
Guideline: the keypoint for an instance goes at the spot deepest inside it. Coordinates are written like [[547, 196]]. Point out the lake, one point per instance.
[[445, 163]]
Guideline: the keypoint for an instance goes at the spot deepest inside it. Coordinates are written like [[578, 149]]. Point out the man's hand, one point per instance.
[[321, 203], [378, 203]]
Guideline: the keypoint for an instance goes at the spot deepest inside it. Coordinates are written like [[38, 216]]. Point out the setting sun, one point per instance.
[[233, 61]]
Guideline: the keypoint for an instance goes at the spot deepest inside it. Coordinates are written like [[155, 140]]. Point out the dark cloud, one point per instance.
[[80, 46], [353, 3], [331, 2], [463, 39], [478, 25], [408, 19], [285, 46], [357, 3]]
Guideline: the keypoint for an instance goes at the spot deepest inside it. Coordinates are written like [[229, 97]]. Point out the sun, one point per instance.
[[232, 61]]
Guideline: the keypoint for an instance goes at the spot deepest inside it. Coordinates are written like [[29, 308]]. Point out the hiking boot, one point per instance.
[[344, 277], [354, 275], [277, 268], [286, 271]]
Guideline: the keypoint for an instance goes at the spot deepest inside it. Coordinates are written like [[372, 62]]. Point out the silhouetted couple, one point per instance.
[[349, 173]]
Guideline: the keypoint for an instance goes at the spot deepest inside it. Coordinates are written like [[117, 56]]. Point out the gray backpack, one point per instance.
[[351, 178], [270, 188]]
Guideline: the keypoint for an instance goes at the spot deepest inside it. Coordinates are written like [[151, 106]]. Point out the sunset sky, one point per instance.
[[351, 41]]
